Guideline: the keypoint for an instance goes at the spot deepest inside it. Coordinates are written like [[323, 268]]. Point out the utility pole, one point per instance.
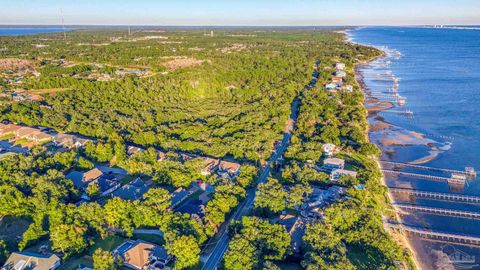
[[63, 26]]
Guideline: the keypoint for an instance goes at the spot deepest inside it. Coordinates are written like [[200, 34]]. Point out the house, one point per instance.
[[329, 149], [340, 66], [331, 86], [132, 191], [232, 168], [6, 129], [82, 179], [132, 150], [336, 174], [31, 261], [203, 186], [211, 164], [179, 196], [340, 73], [141, 255], [107, 184], [64, 140], [336, 79], [330, 164], [348, 88], [161, 155], [39, 137], [24, 132], [295, 227], [195, 208]]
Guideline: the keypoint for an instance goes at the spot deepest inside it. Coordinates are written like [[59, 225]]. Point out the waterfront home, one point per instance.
[[336, 174], [331, 87], [31, 261], [141, 255], [340, 66], [132, 191], [340, 73], [330, 164], [329, 149], [336, 79], [348, 88]]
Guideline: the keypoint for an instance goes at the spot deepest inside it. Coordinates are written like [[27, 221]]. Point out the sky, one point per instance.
[[240, 12]]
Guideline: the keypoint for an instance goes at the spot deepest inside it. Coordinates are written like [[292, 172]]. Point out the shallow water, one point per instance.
[[438, 72]]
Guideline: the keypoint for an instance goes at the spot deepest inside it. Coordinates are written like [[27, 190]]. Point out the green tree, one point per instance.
[[186, 250], [271, 196], [3, 252], [93, 190], [103, 260]]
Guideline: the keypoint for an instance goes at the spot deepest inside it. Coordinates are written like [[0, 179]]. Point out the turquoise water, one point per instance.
[[438, 72]]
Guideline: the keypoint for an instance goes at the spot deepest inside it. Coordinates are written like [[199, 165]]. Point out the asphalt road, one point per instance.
[[222, 244]]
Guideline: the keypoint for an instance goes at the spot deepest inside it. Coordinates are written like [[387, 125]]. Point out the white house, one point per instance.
[[329, 149], [336, 174]]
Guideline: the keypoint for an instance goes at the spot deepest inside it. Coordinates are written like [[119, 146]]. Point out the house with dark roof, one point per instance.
[[107, 183], [179, 195], [195, 208], [141, 255], [132, 191], [295, 227], [81, 180], [31, 261]]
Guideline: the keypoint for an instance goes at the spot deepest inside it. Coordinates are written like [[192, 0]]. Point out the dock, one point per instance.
[[438, 196], [439, 211], [449, 180], [438, 236], [469, 172]]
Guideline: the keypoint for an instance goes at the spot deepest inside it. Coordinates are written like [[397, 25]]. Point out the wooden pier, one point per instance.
[[438, 236], [439, 211], [451, 180], [469, 172], [438, 196]]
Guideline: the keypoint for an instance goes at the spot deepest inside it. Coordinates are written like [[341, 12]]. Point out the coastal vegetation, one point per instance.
[[222, 96]]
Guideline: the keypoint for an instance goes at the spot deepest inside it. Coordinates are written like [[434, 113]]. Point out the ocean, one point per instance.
[[18, 30], [426, 93]]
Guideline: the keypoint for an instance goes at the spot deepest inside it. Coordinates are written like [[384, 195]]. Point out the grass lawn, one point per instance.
[[152, 238], [109, 243], [20, 142], [73, 263], [6, 137]]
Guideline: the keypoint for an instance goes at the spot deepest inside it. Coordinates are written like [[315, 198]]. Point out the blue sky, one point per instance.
[[241, 12]]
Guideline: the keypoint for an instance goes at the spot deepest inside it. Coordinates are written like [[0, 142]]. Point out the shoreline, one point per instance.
[[402, 240]]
